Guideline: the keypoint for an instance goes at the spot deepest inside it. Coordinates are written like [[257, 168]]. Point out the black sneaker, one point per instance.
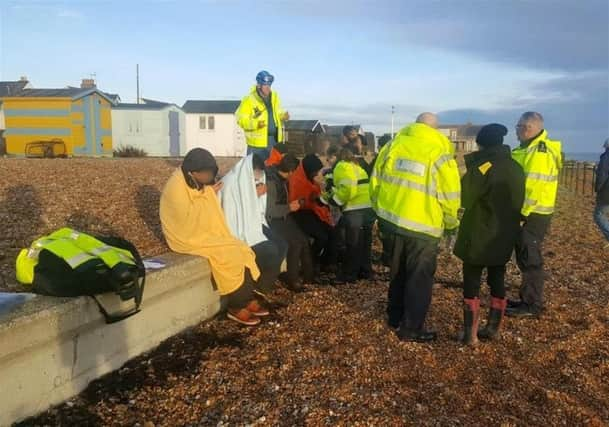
[[421, 336], [366, 275], [522, 311], [395, 325], [343, 279], [511, 303]]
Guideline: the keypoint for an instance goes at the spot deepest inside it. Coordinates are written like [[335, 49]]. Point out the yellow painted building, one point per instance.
[[78, 119]]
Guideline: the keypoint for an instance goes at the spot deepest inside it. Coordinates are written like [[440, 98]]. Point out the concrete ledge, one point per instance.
[[52, 348]]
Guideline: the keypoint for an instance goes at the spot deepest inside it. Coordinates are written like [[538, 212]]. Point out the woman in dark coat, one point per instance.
[[492, 196]]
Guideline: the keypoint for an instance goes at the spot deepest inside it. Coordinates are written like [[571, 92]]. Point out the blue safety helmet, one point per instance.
[[264, 78]]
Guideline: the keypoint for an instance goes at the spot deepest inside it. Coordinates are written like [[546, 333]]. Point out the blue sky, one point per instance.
[[340, 62]]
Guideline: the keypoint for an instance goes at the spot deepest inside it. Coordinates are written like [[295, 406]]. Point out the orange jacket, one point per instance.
[[300, 188], [274, 158]]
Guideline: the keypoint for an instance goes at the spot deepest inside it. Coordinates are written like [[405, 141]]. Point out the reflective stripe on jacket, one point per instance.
[[415, 184], [252, 111], [541, 161]]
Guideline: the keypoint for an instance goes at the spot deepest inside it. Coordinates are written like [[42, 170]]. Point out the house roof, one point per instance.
[[12, 88], [132, 106], [70, 92], [193, 106], [337, 130], [114, 97], [148, 101], [467, 131], [306, 125]]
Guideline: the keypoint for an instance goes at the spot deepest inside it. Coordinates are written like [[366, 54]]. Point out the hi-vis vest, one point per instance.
[[351, 186], [541, 161], [415, 183], [251, 111], [74, 248]]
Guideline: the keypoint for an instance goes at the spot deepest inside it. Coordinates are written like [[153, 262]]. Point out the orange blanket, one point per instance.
[[300, 188]]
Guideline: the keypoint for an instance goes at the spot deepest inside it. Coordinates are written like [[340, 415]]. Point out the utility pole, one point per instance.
[[392, 113], [137, 78]]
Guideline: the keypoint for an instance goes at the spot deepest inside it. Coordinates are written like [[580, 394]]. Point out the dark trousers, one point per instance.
[[298, 251], [472, 274], [386, 237], [264, 152], [530, 259], [321, 233], [241, 297], [358, 242], [269, 256], [413, 266]]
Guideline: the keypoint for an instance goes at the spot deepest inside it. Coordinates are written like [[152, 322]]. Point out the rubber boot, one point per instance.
[[471, 314], [495, 317]]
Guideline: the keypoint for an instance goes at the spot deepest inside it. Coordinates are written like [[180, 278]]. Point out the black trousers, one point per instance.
[[269, 256], [241, 297], [386, 237], [358, 242], [530, 259], [324, 241], [472, 274], [298, 251], [413, 266]]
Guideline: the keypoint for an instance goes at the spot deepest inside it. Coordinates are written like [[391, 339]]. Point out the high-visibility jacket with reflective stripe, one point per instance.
[[252, 111], [350, 186], [415, 183], [74, 248], [541, 161]]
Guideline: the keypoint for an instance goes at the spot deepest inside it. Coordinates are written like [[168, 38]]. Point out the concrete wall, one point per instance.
[[52, 348], [227, 139], [146, 129]]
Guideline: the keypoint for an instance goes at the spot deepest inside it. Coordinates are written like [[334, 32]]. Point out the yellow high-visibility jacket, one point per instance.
[[541, 161], [351, 186], [415, 184], [252, 111]]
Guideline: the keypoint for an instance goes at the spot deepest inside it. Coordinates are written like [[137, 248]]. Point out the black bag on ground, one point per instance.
[[54, 277]]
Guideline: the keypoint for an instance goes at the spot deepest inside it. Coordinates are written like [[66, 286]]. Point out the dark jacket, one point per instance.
[[276, 195], [492, 193], [601, 184]]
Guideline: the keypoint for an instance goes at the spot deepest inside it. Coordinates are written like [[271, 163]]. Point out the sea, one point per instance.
[[583, 157]]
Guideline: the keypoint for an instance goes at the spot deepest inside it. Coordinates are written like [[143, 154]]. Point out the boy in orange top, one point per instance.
[[314, 217]]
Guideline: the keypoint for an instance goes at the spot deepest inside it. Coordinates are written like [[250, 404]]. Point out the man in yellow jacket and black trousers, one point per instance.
[[541, 160], [415, 190], [351, 193], [261, 117]]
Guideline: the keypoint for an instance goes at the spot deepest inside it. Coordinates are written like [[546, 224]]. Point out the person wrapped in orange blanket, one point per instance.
[[193, 223]]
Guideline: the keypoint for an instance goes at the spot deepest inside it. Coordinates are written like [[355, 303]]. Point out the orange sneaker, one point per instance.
[[242, 316], [256, 309]]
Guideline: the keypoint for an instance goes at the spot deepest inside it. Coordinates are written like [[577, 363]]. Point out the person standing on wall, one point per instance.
[[261, 117]]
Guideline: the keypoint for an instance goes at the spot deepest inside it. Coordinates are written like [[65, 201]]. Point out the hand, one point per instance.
[[285, 117], [450, 232], [294, 205], [217, 186], [260, 189], [261, 124]]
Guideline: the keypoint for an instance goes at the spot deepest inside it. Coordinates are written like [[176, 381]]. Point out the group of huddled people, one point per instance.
[[318, 214], [265, 212]]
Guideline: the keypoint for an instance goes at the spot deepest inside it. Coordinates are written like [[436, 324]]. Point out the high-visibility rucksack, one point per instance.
[[68, 263]]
